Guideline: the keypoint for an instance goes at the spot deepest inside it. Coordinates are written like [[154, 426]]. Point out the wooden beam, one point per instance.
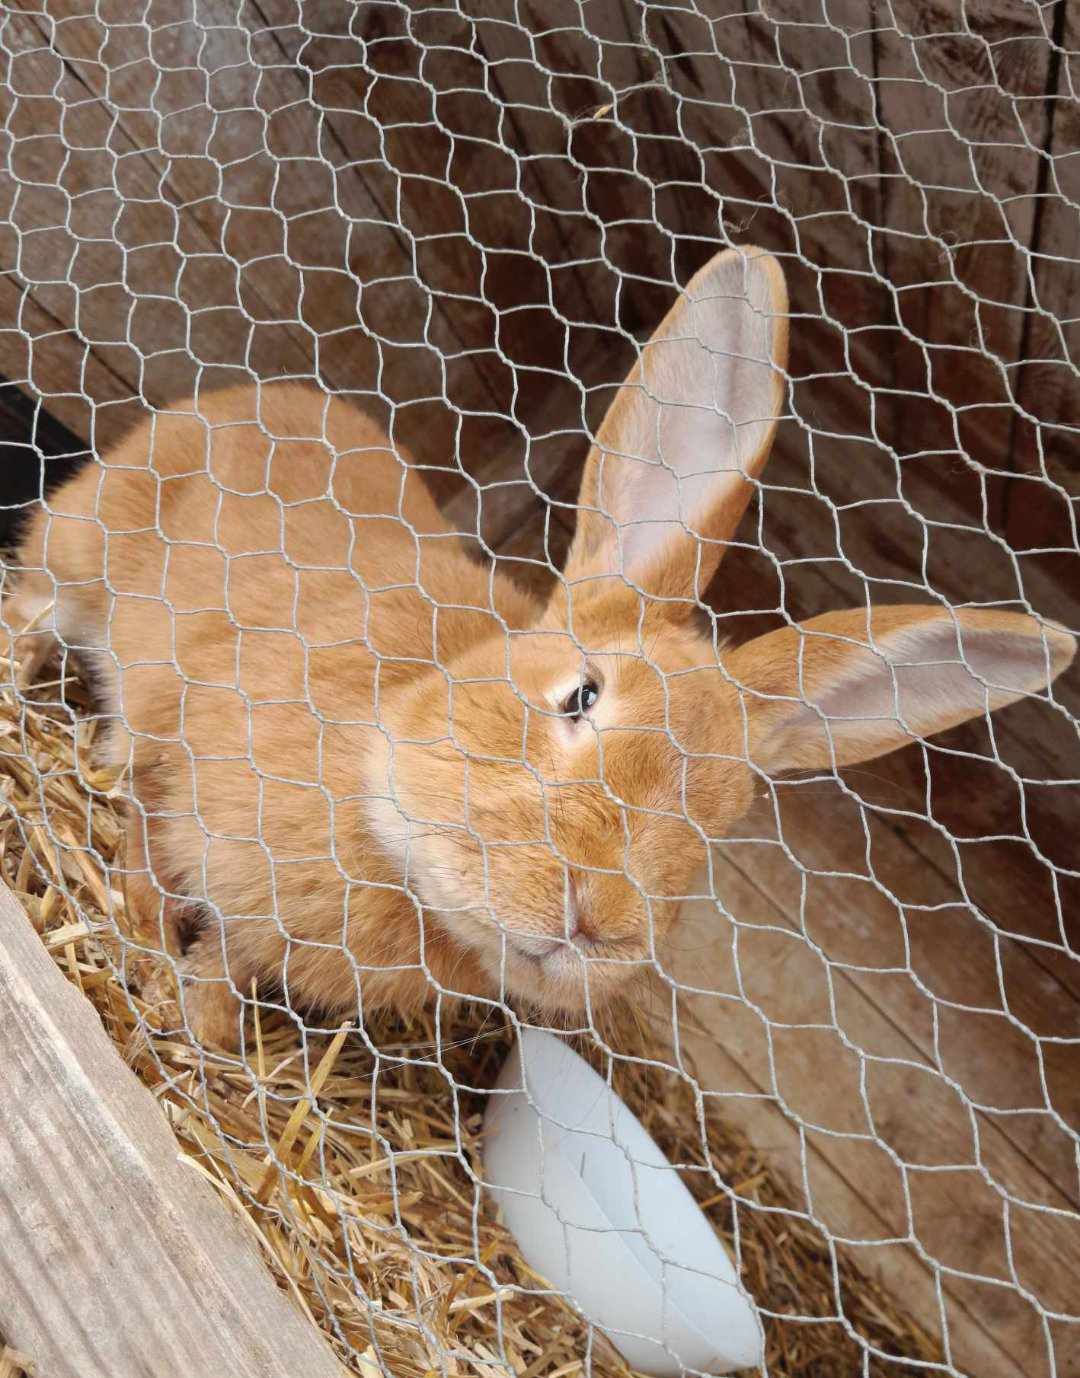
[[116, 1258]]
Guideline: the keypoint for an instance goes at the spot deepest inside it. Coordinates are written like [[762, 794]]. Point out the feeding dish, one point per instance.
[[599, 1211]]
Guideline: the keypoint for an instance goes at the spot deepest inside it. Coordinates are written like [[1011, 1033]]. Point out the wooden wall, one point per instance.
[[465, 215]]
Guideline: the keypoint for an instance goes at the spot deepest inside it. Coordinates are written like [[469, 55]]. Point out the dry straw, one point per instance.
[[353, 1156]]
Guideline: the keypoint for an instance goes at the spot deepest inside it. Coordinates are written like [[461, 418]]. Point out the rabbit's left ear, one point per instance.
[[671, 472], [849, 686]]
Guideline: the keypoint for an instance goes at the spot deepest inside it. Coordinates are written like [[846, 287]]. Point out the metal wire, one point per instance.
[[218, 191]]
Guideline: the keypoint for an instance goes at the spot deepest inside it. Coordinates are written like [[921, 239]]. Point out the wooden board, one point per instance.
[[93, 235], [483, 184], [55, 366], [836, 1175], [246, 242], [878, 1079], [893, 156], [117, 1259], [1040, 504], [963, 106], [471, 149]]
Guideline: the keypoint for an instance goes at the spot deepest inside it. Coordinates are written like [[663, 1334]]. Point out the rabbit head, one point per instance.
[[553, 790]]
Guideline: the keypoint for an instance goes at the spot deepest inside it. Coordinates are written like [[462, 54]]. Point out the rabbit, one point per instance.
[[366, 768]]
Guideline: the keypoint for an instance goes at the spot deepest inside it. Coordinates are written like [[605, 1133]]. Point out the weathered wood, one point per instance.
[[92, 235], [860, 1124], [892, 154], [117, 1259], [960, 97], [54, 365], [862, 893], [459, 143], [493, 172], [845, 1185], [247, 241], [1041, 500], [573, 82]]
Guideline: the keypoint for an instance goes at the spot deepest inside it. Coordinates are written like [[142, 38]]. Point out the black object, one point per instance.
[[37, 452]]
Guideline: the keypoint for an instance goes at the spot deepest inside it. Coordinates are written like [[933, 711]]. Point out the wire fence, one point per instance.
[[491, 584]]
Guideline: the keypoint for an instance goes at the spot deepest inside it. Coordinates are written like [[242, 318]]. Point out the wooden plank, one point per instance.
[[850, 1186], [417, 131], [87, 229], [787, 110], [215, 131], [541, 116], [248, 217], [841, 871], [53, 363], [1040, 501], [961, 101], [118, 1259], [469, 163], [573, 80], [887, 1118]]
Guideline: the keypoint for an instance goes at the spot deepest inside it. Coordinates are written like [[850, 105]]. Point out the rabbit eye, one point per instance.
[[577, 704]]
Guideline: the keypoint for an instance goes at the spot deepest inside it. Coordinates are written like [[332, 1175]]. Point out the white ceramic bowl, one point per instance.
[[599, 1212]]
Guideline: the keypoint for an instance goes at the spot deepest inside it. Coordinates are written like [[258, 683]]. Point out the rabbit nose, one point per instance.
[[579, 924]]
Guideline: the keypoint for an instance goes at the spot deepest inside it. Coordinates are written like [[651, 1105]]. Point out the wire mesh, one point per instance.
[[859, 1041]]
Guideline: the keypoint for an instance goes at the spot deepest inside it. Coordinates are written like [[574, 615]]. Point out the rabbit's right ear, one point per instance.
[[671, 471], [849, 686]]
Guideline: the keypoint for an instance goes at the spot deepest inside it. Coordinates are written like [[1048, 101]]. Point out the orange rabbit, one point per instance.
[[365, 768]]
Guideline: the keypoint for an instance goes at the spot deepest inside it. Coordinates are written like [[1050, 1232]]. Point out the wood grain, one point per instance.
[[92, 232], [53, 364], [118, 1259], [961, 102], [1041, 502], [846, 1183]]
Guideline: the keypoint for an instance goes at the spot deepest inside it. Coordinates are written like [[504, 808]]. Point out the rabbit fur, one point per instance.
[[365, 767]]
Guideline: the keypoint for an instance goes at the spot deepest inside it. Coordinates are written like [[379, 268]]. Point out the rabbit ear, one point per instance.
[[667, 479], [850, 686]]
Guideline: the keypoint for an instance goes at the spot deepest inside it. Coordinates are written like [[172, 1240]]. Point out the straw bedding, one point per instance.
[[354, 1154]]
